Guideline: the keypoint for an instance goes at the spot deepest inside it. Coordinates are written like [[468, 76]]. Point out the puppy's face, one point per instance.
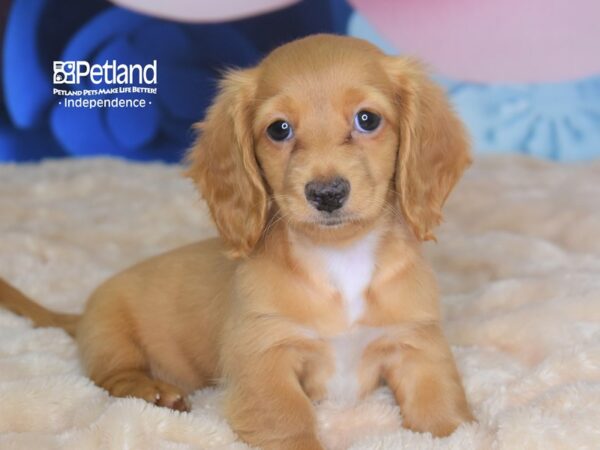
[[327, 132], [326, 138]]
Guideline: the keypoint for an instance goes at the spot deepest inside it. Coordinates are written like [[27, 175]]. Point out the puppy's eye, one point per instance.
[[280, 130], [366, 121]]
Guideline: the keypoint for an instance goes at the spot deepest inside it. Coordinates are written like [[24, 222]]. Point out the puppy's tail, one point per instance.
[[14, 300]]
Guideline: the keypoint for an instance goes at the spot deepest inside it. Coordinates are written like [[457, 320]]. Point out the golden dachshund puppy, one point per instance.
[[324, 167]]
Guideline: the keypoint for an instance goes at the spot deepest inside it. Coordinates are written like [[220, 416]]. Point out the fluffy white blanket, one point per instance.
[[518, 260]]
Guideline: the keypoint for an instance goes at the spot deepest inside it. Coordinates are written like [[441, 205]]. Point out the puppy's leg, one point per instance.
[[266, 405], [424, 379], [116, 362]]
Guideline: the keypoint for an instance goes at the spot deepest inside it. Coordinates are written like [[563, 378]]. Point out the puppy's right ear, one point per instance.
[[224, 168], [434, 147]]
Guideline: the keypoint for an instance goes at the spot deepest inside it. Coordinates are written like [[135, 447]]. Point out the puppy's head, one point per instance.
[[326, 134]]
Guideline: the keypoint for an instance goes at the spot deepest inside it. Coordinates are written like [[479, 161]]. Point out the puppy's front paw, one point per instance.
[[437, 419], [153, 391], [308, 442], [170, 397], [438, 426]]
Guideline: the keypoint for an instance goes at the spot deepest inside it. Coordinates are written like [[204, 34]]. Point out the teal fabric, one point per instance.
[[559, 121]]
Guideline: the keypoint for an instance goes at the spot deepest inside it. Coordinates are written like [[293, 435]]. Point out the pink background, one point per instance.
[[471, 40], [494, 40]]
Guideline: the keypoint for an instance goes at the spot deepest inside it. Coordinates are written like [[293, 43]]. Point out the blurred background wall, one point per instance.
[[525, 76]]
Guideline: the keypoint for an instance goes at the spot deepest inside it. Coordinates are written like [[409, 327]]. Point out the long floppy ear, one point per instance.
[[224, 168], [433, 150]]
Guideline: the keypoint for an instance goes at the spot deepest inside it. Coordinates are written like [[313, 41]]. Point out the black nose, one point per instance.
[[327, 195]]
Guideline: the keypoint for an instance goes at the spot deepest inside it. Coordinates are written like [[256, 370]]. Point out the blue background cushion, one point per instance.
[[33, 125]]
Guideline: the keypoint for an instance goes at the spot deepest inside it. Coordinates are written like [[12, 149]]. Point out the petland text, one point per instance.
[[111, 72]]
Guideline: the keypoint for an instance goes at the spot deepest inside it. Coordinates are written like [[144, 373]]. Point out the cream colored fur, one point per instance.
[[191, 318], [518, 261]]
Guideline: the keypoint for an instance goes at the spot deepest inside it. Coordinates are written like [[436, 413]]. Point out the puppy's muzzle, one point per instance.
[[328, 195]]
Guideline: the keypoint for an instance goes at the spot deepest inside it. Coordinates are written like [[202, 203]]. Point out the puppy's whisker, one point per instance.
[[394, 211], [278, 217]]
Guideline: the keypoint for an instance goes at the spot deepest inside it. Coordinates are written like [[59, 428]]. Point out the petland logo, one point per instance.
[[73, 72], [123, 85]]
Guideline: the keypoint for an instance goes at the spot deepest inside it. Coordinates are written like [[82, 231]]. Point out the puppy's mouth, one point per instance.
[[335, 220], [331, 222]]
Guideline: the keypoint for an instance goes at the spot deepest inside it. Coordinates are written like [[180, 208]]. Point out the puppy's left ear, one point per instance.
[[434, 146], [224, 168]]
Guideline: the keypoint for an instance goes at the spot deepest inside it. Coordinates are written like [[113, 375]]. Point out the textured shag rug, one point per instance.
[[518, 260]]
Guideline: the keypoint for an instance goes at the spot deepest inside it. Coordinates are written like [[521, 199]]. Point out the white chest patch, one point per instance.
[[348, 349], [350, 270]]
